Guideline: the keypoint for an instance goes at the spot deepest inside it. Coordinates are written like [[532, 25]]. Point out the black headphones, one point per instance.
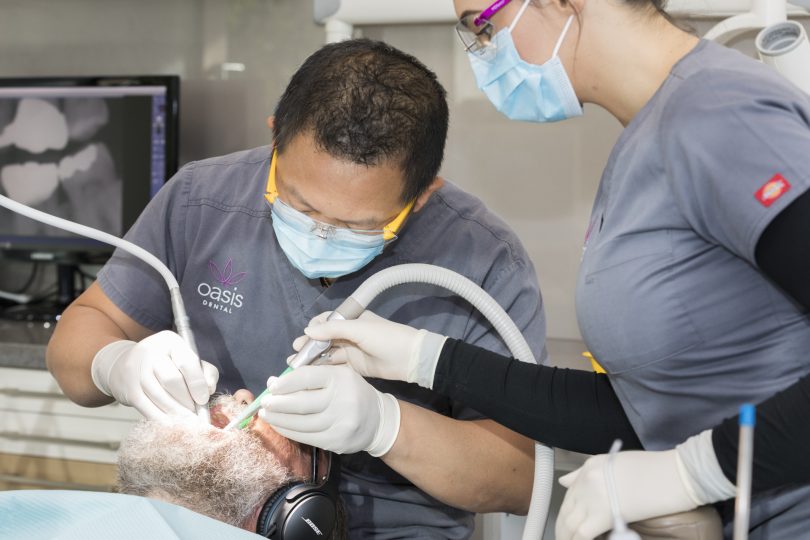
[[303, 510]]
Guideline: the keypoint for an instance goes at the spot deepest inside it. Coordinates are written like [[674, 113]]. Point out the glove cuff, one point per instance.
[[104, 361], [422, 365], [700, 471], [388, 428]]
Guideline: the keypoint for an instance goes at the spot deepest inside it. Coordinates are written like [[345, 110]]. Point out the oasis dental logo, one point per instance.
[[220, 296]]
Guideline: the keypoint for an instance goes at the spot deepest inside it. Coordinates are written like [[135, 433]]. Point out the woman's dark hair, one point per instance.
[[657, 5], [367, 102]]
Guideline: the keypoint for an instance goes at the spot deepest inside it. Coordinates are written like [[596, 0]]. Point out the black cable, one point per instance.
[[30, 281]]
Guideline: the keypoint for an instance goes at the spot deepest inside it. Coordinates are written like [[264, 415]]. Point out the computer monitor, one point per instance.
[[93, 150]]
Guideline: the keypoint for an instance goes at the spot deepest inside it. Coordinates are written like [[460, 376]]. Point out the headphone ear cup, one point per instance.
[[306, 513], [268, 524]]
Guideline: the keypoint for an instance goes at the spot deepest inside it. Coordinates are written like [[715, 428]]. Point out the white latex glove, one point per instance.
[[159, 376], [377, 347], [648, 484], [332, 407]]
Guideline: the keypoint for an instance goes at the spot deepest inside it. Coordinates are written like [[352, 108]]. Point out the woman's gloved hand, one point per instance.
[[376, 347], [648, 484], [159, 376], [332, 407]]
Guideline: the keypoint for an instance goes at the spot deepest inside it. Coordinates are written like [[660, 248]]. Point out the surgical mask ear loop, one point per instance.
[[519, 15], [562, 36], [620, 530]]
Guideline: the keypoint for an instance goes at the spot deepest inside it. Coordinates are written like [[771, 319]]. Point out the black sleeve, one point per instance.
[[781, 440], [571, 409], [782, 433]]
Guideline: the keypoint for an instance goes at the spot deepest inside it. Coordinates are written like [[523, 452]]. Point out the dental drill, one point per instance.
[[181, 320], [354, 305]]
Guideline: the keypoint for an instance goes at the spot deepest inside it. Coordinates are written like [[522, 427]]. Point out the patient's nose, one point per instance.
[[243, 396]]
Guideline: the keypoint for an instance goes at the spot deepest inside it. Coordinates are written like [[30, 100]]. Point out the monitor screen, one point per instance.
[[93, 150]]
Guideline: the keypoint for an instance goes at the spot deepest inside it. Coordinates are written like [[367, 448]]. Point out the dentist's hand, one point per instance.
[[159, 376], [648, 485], [332, 407], [376, 347]]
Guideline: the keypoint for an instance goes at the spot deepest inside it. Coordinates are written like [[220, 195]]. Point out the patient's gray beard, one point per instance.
[[225, 475]]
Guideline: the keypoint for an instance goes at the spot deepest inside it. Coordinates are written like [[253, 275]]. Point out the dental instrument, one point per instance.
[[354, 305], [311, 351], [181, 320], [745, 461]]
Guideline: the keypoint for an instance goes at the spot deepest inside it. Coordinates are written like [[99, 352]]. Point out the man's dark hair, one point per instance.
[[367, 102]]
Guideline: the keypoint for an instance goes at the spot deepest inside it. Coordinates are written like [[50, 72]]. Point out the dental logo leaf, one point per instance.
[[226, 277]]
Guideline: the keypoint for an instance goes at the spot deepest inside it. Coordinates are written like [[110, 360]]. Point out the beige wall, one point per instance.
[[540, 179]]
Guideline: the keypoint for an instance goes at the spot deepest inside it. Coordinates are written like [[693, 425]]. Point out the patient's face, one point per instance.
[[226, 475]]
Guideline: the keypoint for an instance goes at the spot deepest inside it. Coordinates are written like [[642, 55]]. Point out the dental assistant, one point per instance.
[[692, 290]]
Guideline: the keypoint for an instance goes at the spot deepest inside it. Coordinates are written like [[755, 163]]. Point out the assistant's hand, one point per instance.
[[159, 376], [376, 347], [648, 484], [332, 407]]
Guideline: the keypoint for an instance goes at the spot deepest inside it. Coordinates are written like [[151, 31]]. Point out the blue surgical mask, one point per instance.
[[524, 91], [319, 250]]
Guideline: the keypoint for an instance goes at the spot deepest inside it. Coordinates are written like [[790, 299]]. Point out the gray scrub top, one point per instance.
[[669, 297], [212, 227]]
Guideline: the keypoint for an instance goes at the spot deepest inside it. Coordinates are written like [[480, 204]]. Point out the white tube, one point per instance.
[[785, 47], [89, 232], [745, 460], [337, 30], [180, 317], [506, 328]]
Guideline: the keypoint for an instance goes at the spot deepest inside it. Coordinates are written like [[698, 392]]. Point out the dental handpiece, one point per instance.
[[312, 351]]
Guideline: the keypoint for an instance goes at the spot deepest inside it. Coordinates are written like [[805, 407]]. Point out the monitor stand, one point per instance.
[[48, 310]]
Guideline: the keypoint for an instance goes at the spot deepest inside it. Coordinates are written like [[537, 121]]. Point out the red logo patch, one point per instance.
[[772, 190]]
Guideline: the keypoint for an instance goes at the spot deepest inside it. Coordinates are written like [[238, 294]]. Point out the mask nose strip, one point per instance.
[[322, 231]]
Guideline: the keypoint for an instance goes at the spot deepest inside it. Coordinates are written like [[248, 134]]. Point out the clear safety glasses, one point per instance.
[[476, 31], [326, 230]]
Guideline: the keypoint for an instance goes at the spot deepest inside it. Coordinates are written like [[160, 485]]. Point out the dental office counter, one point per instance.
[[48, 441]]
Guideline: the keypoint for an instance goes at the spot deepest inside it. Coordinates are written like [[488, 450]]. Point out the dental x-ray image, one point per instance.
[[59, 156]]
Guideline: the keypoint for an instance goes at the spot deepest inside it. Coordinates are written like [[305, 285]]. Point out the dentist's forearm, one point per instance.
[[478, 465]]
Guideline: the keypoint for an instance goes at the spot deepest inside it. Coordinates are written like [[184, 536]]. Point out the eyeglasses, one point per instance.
[[476, 30], [326, 230]]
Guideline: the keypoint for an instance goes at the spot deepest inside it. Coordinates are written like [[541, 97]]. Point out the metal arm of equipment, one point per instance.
[[181, 320]]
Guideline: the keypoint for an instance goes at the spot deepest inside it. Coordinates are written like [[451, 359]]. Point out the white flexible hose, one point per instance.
[[506, 328], [89, 232], [180, 318]]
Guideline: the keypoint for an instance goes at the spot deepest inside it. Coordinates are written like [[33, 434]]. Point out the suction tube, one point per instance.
[[181, 321], [352, 307]]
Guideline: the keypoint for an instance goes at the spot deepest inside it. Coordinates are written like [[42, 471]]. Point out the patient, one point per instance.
[[226, 475]]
